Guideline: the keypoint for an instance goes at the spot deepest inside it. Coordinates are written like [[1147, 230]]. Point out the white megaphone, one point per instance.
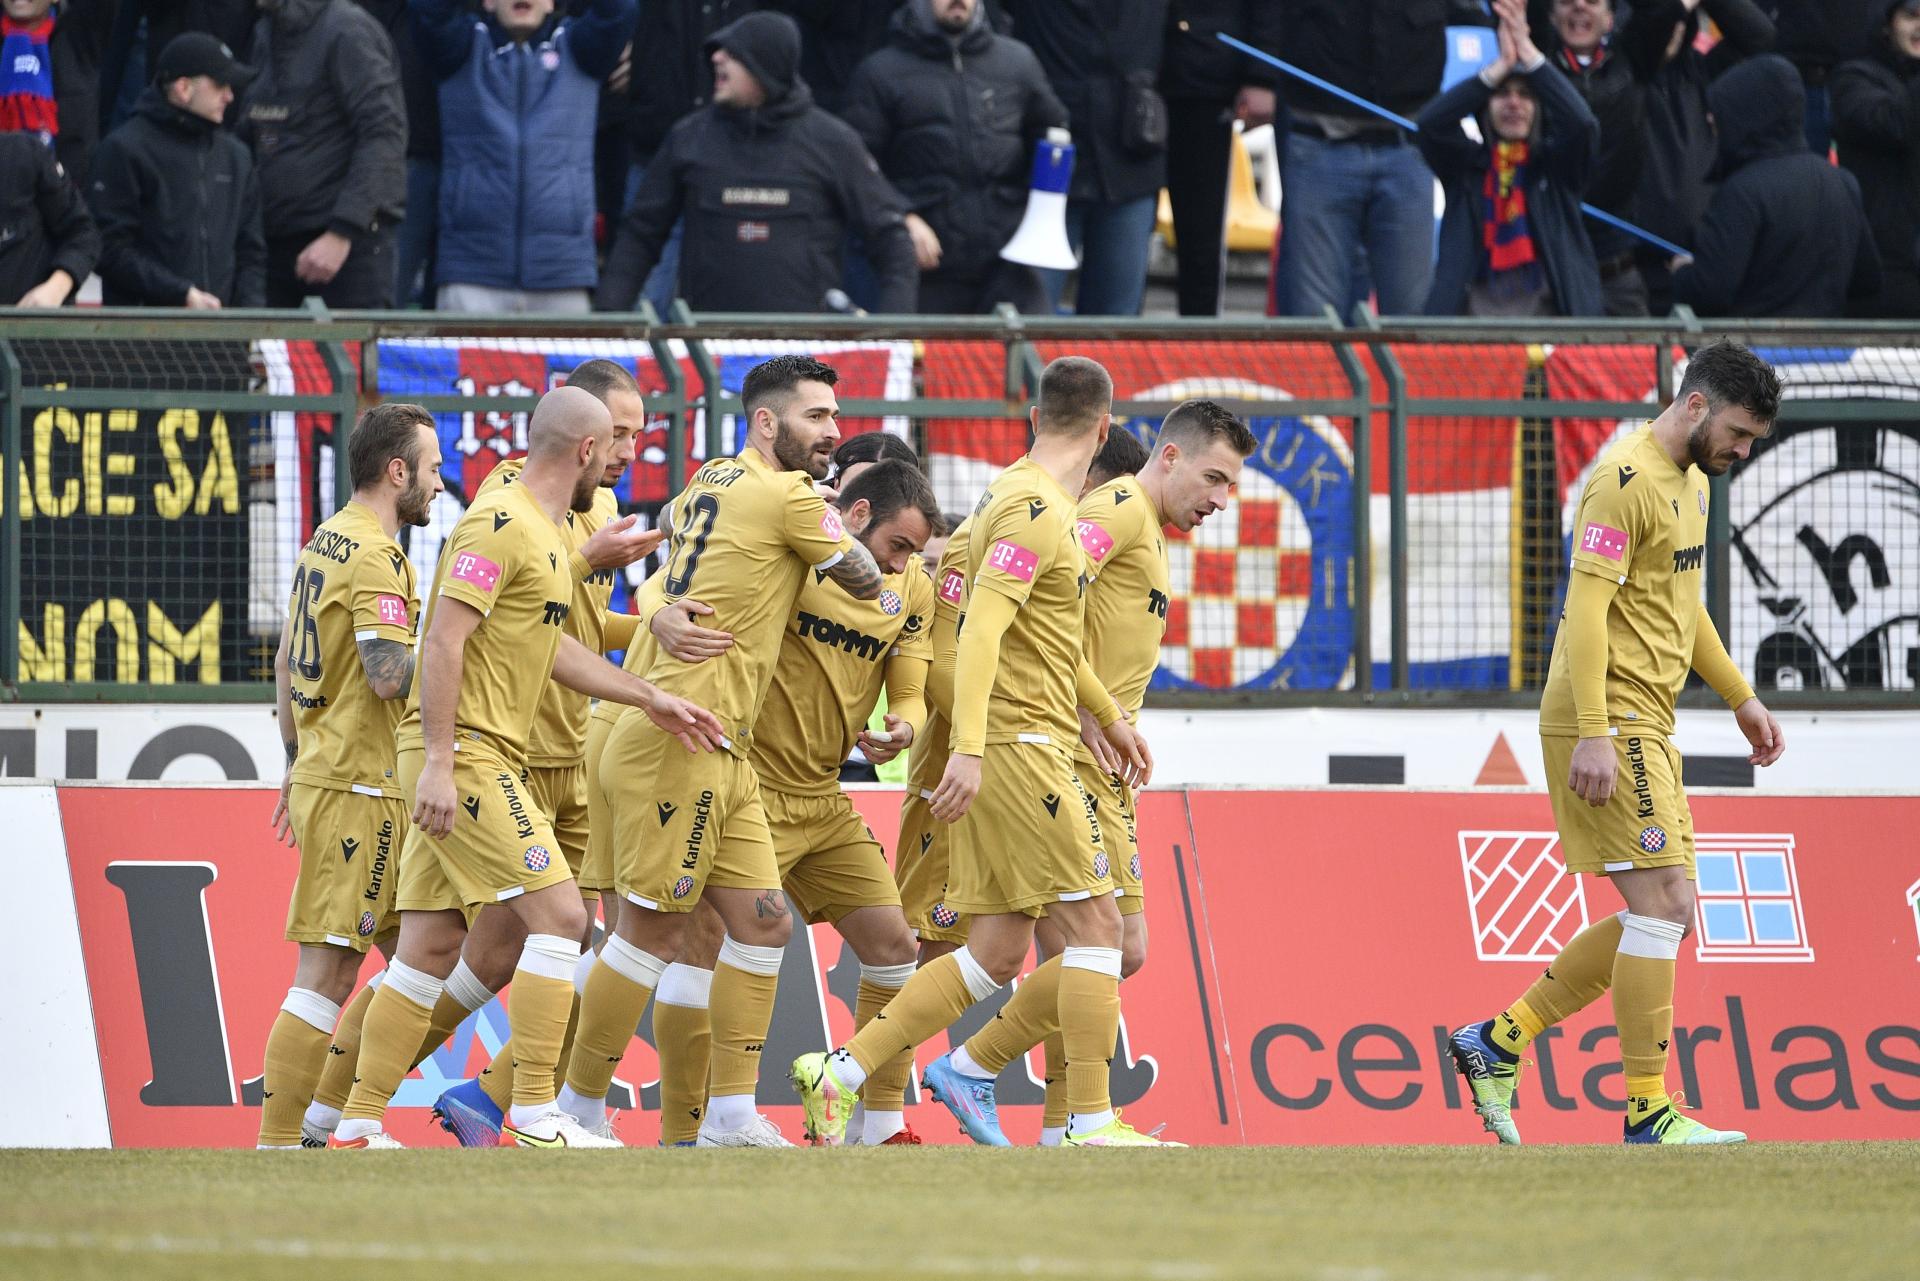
[[1042, 238]]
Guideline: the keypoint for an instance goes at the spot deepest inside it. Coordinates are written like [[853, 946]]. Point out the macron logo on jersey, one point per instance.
[[392, 610], [1095, 541], [478, 570], [1013, 560], [952, 586], [1604, 540]]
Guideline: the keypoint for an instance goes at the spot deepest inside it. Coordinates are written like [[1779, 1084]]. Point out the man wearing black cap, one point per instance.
[[769, 185], [175, 194]]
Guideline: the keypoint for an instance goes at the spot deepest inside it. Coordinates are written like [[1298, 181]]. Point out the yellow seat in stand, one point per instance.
[[1250, 224]]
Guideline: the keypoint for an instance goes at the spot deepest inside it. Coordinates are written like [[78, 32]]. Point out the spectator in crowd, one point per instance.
[[1208, 85], [1785, 235], [1816, 36], [228, 21], [952, 112], [1674, 185], [669, 77], [1876, 124], [329, 133], [48, 244], [769, 185], [174, 193], [50, 62], [835, 37], [518, 92], [1513, 241], [1611, 69], [418, 232], [1348, 178], [1103, 60]]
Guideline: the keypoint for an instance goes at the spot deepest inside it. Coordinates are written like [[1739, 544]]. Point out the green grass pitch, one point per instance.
[[1327, 1214]]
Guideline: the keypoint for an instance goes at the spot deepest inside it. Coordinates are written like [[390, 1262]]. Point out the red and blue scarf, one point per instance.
[[1505, 231], [26, 79]]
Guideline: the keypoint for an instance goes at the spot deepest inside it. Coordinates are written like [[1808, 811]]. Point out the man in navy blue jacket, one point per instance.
[[518, 96]]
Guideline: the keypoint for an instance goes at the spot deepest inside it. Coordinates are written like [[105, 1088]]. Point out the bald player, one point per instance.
[[494, 637]]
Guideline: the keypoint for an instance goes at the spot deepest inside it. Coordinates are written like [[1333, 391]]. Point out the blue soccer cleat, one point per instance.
[[969, 1098], [1492, 1075], [469, 1115]]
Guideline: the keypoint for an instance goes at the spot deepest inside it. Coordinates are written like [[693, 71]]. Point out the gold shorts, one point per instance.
[[1645, 824], [501, 845], [682, 820], [596, 868], [829, 862], [349, 865], [1030, 837], [1113, 808], [920, 871], [560, 791]]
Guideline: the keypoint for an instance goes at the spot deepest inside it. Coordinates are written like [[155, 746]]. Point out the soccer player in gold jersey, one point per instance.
[[1193, 472], [1023, 836], [749, 530], [1633, 626], [343, 669], [502, 592]]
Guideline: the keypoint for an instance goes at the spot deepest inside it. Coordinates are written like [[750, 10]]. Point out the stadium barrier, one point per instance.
[[1311, 949], [1400, 535]]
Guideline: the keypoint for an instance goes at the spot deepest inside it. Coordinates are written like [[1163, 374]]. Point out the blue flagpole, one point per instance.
[[1600, 215]]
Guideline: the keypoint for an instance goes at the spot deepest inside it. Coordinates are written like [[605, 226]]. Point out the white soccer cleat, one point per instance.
[[557, 1129], [378, 1139], [313, 1136], [757, 1133]]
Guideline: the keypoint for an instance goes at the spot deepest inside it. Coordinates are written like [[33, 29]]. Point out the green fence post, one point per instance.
[[1360, 573], [10, 525], [677, 393], [712, 394], [1396, 379]]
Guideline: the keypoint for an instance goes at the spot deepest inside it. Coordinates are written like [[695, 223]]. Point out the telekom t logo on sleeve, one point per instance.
[[1095, 541], [953, 587], [478, 570], [1014, 560], [392, 610], [1604, 540]]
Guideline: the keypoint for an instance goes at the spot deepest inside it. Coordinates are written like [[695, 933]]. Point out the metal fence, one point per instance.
[[1400, 534]]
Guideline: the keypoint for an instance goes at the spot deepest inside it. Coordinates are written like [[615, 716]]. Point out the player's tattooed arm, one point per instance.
[[857, 573], [389, 667]]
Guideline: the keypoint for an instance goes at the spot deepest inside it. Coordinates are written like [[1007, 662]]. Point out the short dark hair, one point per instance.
[[1074, 393], [601, 376], [1727, 373], [872, 447], [385, 432], [771, 381], [889, 487], [1122, 455], [949, 521], [1195, 424]]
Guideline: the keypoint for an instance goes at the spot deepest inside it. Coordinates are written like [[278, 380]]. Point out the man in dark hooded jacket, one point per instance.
[[1786, 234], [769, 185], [328, 127], [952, 112], [1876, 122]]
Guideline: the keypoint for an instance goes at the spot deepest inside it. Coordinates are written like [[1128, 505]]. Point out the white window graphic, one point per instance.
[[1522, 903], [1913, 901], [1749, 900]]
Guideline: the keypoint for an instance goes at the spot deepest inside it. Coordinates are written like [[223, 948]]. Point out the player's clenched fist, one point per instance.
[[958, 786], [434, 801]]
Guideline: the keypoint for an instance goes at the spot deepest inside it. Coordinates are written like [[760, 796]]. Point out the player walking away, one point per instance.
[[1634, 624], [749, 530], [1193, 472], [835, 656], [501, 595], [556, 768], [1029, 844], [344, 667]]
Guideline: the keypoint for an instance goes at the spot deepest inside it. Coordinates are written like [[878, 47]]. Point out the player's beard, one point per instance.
[[585, 486], [416, 505], [792, 455], [1700, 452]]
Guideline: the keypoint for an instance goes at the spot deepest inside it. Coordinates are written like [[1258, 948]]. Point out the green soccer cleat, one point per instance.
[[1491, 1078], [825, 1103], [1118, 1134], [1671, 1125]]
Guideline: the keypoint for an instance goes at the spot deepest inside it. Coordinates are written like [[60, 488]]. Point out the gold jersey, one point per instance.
[[1022, 545], [507, 560], [927, 760], [745, 539], [560, 726], [640, 650], [832, 666], [1120, 531], [351, 583], [1642, 523]]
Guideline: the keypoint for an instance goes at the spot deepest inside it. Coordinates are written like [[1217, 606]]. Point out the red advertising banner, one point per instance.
[[1310, 951]]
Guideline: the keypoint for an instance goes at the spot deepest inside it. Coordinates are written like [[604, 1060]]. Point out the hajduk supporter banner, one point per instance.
[[471, 443], [1825, 513], [1310, 951], [1263, 594]]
